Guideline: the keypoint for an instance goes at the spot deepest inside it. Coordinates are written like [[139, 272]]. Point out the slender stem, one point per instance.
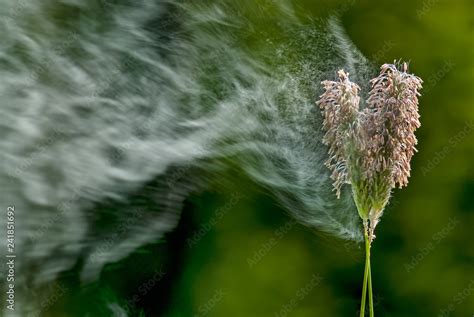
[[371, 300], [366, 272]]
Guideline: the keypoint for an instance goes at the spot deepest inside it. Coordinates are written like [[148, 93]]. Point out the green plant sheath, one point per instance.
[[367, 280]]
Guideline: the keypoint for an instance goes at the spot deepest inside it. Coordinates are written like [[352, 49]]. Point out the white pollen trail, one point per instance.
[[101, 104]]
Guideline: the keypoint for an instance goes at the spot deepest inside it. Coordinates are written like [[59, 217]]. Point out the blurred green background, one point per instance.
[[237, 253], [256, 262]]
